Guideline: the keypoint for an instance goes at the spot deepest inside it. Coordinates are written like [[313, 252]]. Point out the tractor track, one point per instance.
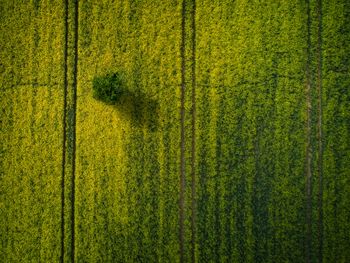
[[320, 131], [65, 93], [182, 143], [193, 146], [69, 130], [308, 150]]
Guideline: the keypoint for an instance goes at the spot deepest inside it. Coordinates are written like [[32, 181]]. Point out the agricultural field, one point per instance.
[[230, 143]]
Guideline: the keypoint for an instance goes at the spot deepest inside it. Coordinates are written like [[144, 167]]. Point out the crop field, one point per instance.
[[231, 142]]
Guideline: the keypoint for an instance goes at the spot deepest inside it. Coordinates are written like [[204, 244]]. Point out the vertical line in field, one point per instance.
[[34, 69], [308, 214], [320, 132], [64, 126], [193, 154], [182, 144], [75, 73]]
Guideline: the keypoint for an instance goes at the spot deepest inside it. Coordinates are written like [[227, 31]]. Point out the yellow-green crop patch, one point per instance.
[[174, 131]]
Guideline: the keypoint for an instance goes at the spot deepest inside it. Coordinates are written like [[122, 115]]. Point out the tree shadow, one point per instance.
[[138, 107]]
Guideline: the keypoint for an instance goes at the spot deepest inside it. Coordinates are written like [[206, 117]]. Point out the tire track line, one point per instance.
[[320, 131], [193, 146], [64, 128], [182, 143], [69, 130], [75, 86], [308, 214]]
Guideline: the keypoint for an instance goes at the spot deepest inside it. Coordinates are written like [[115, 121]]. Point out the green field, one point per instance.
[[231, 145]]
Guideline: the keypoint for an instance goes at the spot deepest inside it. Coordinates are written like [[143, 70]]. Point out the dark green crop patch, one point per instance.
[[109, 88]]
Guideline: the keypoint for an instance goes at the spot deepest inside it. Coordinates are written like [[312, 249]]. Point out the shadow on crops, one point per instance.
[[140, 109], [136, 106]]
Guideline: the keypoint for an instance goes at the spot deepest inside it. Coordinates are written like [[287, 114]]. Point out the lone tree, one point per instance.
[[109, 88]]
